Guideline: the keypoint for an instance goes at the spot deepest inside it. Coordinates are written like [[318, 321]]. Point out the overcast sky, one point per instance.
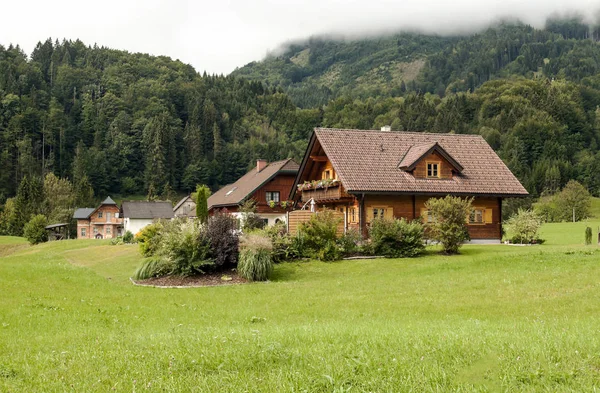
[[220, 35]]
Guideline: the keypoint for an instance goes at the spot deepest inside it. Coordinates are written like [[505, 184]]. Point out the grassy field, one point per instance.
[[496, 318]]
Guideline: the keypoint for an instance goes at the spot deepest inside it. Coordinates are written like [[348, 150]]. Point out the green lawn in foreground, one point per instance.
[[494, 318]]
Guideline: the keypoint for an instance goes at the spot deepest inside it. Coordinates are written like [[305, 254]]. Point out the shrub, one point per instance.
[[572, 202], [319, 232], [202, 194], [449, 225], [349, 241], [223, 239], [329, 252], [397, 238], [34, 231], [588, 236], [186, 246], [250, 220], [523, 227], [116, 241], [128, 237], [255, 257], [156, 266], [149, 239]]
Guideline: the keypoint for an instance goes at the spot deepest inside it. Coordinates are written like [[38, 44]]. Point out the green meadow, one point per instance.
[[495, 318]]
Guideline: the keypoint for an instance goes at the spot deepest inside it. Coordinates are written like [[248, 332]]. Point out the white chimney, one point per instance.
[[386, 128], [260, 164]]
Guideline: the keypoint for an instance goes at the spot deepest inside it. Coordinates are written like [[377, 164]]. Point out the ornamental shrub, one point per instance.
[[319, 232], [588, 236], [222, 236], [34, 231], [397, 238], [185, 244], [523, 227], [156, 266], [255, 262], [449, 225], [149, 239], [128, 237]]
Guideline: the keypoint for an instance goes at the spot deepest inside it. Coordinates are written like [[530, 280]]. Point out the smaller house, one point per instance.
[[102, 222], [267, 184], [185, 208], [138, 214]]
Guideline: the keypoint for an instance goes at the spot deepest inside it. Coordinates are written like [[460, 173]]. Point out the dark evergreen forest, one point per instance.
[[127, 123]]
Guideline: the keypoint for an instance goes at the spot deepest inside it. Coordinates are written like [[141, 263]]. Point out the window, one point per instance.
[[477, 216], [95, 230], [327, 174], [108, 230], [107, 216], [433, 169], [272, 196], [381, 212], [99, 214], [83, 232], [353, 215], [378, 212], [230, 191], [427, 216]]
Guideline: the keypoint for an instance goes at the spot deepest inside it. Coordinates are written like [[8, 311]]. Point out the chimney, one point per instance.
[[261, 164], [386, 128]]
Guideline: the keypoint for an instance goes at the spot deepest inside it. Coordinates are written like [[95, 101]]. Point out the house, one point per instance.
[[137, 214], [372, 174], [102, 222], [186, 207], [268, 184]]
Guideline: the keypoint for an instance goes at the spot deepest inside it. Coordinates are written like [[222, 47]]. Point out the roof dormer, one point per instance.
[[430, 161]]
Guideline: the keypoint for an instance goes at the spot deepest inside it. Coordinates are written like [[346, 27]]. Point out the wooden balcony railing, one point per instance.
[[320, 194]]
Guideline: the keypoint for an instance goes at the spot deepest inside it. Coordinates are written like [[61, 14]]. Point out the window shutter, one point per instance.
[[389, 213], [488, 216]]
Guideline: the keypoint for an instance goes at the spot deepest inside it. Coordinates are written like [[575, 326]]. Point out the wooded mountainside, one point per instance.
[[129, 123]]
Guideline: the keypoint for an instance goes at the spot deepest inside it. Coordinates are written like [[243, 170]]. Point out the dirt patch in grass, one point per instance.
[[205, 280]]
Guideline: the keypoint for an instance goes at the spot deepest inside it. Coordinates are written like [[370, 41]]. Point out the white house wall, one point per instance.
[[134, 225]]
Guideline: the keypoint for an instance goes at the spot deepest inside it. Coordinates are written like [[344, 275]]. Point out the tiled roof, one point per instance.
[[83, 213], [234, 194], [147, 209], [109, 201], [368, 161], [414, 153]]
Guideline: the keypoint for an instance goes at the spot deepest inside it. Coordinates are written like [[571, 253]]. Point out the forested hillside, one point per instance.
[[129, 123], [322, 68]]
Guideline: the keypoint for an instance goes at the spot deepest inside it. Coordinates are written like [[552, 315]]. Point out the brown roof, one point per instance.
[[369, 161], [236, 193], [416, 152]]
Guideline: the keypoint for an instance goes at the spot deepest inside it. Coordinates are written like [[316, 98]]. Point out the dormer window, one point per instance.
[[433, 169]]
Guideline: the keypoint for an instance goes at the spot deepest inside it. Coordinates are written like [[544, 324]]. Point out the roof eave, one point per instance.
[[440, 193]]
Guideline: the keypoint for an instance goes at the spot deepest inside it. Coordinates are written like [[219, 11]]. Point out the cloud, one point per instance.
[[219, 35]]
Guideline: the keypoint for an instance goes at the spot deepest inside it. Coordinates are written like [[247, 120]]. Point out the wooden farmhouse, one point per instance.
[[102, 222], [268, 184], [367, 175], [186, 207]]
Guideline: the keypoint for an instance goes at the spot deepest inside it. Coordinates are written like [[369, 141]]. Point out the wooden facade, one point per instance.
[[360, 209], [282, 184]]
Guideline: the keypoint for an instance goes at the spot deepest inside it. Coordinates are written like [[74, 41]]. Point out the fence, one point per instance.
[[297, 217]]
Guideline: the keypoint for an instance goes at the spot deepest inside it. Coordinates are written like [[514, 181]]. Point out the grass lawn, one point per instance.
[[496, 318]]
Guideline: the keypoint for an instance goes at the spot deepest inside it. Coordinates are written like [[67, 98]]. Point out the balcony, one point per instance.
[[330, 193]]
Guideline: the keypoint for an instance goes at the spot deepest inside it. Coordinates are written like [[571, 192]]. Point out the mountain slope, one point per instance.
[[322, 68]]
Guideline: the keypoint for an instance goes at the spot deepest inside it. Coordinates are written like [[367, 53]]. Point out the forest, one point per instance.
[[118, 123]]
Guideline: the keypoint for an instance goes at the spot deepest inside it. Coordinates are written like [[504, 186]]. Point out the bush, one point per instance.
[[349, 241], [250, 220], [573, 198], [318, 233], [588, 236], [523, 227], [255, 257], [153, 267], [223, 239], [185, 244], [330, 252], [149, 239], [34, 231], [396, 238], [449, 225], [128, 237]]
